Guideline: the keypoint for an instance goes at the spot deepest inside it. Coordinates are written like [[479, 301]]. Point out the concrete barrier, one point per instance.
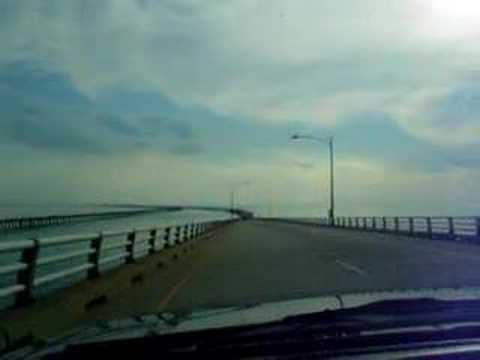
[[67, 308], [64, 309]]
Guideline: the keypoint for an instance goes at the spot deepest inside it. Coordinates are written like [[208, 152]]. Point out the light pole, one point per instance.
[[232, 194], [329, 141]]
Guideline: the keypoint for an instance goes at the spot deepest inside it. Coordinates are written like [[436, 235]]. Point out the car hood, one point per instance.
[[274, 311], [169, 323]]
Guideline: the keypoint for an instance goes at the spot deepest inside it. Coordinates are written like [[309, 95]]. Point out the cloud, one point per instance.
[[130, 87], [118, 125], [154, 125], [187, 149], [35, 80], [382, 188], [446, 116], [39, 126], [304, 165], [302, 60], [123, 121], [365, 185], [41, 110]]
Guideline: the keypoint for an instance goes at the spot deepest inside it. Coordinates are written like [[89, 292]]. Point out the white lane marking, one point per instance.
[[351, 268]]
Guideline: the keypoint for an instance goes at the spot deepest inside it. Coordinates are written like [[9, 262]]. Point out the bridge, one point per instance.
[[226, 263], [133, 209]]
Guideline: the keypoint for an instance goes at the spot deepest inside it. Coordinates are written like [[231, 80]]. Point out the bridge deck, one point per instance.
[[256, 261]]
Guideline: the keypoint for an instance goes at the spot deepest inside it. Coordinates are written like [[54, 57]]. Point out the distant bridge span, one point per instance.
[[135, 209], [242, 213]]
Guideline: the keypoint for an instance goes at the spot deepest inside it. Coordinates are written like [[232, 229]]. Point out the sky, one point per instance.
[[179, 101]]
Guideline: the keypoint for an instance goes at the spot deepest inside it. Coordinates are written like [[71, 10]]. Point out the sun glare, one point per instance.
[[457, 9], [452, 17]]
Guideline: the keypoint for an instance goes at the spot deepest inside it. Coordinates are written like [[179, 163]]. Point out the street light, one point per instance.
[[232, 194], [328, 140]]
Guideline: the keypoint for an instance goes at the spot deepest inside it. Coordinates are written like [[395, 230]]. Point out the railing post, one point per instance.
[[26, 277], [177, 235], [357, 223], [384, 223], [365, 223], [477, 223], [192, 231], [185, 233], [451, 228], [429, 227], [397, 224], [94, 257], [152, 240], [130, 248], [411, 226], [166, 236], [374, 223]]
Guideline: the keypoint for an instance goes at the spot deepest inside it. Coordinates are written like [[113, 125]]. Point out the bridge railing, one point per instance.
[[27, 266], [433, 227]]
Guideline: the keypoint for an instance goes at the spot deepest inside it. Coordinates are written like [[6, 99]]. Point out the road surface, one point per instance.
[[255, 261]]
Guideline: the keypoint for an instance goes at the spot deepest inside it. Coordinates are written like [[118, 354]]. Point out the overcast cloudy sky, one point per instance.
[[174, 101]]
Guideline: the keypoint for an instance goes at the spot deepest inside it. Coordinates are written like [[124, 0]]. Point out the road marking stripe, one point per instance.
[[173, 291], [351, 268]]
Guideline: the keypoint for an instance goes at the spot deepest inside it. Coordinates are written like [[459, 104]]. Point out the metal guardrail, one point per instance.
[[31, 222], [32, 268], [433, 227]]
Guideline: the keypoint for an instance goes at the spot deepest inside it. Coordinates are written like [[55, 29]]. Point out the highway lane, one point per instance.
[[255, 261], [262, 261]]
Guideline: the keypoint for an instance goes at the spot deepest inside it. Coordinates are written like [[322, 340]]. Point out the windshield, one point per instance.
[[179, 156]]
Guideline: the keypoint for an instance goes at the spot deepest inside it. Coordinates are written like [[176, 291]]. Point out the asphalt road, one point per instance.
[[257, 261]]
